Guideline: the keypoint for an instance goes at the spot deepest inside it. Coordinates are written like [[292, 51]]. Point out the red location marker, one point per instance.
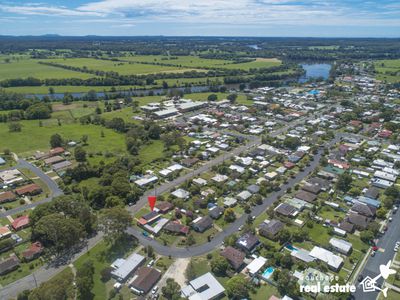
[[152, 201]]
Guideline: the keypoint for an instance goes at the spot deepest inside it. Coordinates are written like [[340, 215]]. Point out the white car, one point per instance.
[[154, 290]]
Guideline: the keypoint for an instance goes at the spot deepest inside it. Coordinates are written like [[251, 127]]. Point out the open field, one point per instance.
[[31, 68], [32, 137], [197, 62], [120, 67], [185, 61], [388, 70]]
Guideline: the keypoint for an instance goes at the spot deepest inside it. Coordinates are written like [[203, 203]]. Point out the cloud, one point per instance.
[[41, 9], [233, 12]]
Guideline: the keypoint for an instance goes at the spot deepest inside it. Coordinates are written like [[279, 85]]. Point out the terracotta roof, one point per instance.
[[7, 196], [20, 222], [28, 189]]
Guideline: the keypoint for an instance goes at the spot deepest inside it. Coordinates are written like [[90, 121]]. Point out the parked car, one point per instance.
[[360, 278], [373, 253]]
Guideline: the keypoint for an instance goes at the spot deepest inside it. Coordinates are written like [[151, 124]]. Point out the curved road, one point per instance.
[[54, 189]]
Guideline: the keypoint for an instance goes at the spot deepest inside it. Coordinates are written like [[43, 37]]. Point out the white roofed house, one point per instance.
[[333, 261], [205, 287], [244, 195], [123, 268], [181, 193], [341, 246]]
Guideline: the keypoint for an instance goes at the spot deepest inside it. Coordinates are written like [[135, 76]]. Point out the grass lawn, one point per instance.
[[151, 152], [318, 234], [37, 138], [123, 68], [391, 66], [102, 256], [31, 68], [264, 292]]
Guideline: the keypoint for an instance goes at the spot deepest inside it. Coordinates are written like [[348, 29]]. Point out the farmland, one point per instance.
[[122, 68], [31, 68], [388, 70]]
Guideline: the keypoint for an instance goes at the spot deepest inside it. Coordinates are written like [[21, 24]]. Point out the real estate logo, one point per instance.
[[369, 284]]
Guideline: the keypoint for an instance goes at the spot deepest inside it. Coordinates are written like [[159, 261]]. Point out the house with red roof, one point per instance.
[[385, 133], [33, 251], [20, 223]]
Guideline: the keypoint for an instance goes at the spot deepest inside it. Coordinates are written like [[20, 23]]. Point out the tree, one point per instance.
[[219, 265], [232, 98], [84, 139], [344, 182], [381, 213], [238, 287], [38, 111], [190, 271], [286, 285], [80, 154], [58, 233], [284, 236], [171, 290], [56, 141], [229, 215], [212, 97], [114, 223], [366, 236], [154, 131], [14, 127], [58, 288], [190, 240], [393, 192], [292, 142], [84, 280]]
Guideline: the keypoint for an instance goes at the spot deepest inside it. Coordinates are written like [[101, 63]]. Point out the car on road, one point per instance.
[[360, 278], [154, 290], [390, 219], [240, 228], [373, 253], [375, 248]]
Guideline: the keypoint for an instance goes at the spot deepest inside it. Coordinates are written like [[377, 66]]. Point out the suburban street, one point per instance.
[[386, 244], [54, 189], [219, 238]]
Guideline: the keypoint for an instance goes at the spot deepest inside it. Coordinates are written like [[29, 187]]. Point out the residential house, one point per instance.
[[305, 196], [5, 232], [341, 246], [333, 261], [270, 229], [164, 206], [144, 280], [201, 224], [255, 266], [286, 210], [234, 256], [247, 242], [205, 287], [7, 197], [34, 251], [20, 223], [177, 228], [216, 212], [244, 195], [359, 221], [364, 209], [123, 268], [9, 264], [30, 189]]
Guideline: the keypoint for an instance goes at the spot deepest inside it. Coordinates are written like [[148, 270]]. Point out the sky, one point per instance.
[[308, 18]]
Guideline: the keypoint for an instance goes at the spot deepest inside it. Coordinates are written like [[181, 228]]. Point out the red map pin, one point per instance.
[[152, 201]]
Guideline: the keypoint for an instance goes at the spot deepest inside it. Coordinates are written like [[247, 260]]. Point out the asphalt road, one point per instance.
[[54, 189], [371, 268]]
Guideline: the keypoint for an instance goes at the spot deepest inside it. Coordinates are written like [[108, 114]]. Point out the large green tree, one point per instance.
[[238, 287], [114, 222]]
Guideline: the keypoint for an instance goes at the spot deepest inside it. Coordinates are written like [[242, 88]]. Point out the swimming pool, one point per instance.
[[268, 272], [291, 248]]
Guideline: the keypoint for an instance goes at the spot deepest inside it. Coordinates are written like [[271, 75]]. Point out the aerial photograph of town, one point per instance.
[[201, 150]]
